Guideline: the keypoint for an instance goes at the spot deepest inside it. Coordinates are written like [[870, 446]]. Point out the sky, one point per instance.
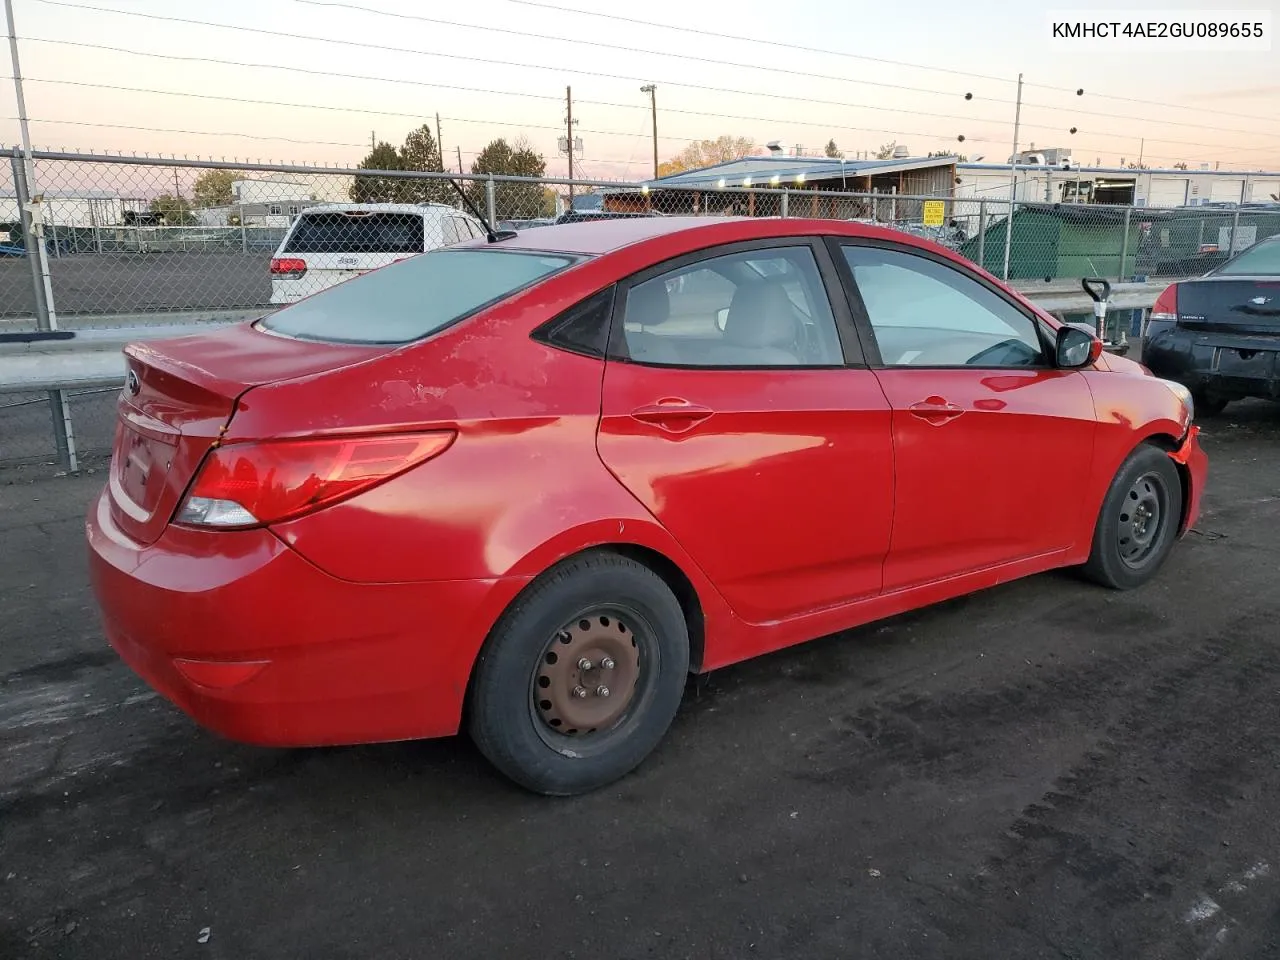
[[311, 81]]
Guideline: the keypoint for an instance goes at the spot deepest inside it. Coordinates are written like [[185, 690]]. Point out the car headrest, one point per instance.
[[648, 303], [760, 315]]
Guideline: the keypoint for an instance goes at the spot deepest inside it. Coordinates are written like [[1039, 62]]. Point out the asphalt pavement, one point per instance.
[[1043, 770], [113, 283]]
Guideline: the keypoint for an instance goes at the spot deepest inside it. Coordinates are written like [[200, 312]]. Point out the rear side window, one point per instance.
[[1262, 260], [583, 328], [415, 297], [356, 232]]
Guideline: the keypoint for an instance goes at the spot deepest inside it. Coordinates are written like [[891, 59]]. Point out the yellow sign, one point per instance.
[[934, 212]]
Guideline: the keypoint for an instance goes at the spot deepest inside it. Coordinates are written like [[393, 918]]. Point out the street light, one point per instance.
[[652, 91]]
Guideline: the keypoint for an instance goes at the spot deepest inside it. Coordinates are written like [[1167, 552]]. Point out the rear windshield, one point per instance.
[[1260, 261], [356, 232], [415, 297]]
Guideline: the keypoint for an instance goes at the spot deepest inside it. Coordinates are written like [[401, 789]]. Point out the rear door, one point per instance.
[[338, 245], [990, 438], [730, 412]]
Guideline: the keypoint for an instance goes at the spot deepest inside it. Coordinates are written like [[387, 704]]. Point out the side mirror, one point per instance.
[[1076, 347], [722, 318]]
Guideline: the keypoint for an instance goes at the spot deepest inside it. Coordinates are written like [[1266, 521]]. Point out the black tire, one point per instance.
[[1128, 545], [506, 720], [1208, 406]]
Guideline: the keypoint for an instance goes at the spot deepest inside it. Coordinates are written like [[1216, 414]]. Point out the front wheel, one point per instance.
[[581, 677], [1139, 521]]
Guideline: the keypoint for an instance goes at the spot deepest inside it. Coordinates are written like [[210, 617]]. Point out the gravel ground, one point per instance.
[[1045, 769]]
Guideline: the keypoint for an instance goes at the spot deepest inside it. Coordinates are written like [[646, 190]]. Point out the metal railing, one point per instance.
[[135, 244]]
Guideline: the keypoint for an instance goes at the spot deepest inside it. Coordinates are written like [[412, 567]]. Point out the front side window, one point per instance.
[[926, 314], [415, 297], [758, 308]]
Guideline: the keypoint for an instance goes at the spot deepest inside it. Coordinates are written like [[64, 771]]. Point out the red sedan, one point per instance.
[[528, 485]]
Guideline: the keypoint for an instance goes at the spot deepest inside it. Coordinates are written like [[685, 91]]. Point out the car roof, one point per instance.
[[597, 237], [424, 209]]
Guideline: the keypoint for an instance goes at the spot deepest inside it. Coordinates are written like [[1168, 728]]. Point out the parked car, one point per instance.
[[585, 216], [525, 224], [528, 486], [331, 243], [1219, 335]]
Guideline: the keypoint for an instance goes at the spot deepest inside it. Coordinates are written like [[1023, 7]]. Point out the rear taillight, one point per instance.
[[1166, 305], [254, 484], [288, 267]]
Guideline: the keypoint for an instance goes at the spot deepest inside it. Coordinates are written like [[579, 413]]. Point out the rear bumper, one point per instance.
[[1232, 367], [257, 644]]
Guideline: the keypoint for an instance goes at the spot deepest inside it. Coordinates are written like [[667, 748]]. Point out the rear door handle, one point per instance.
[[935, 410], [672, 414]]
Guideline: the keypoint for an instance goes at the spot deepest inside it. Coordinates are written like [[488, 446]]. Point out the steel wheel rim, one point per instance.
[[1142, 519], [591, 678]]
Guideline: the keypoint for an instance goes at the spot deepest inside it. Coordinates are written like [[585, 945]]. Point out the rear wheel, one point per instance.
[[581, 677], [1139, 521]]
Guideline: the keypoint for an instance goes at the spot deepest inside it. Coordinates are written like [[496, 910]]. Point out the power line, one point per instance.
[[415, 115], [343, 4], [943, 137], [560, 70], [195, 133], [373, 111], [450, 56], [768, 43], [855, 56], [480, 120], [622, 47]]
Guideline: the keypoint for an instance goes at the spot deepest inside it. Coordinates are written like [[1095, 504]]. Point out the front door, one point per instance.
[[992, 442], [729, 412]]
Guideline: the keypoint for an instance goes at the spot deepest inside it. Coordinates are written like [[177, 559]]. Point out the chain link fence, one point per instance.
[[146, 247]]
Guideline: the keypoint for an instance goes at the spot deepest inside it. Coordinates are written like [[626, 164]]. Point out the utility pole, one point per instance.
[[439, 143], [568, 129], [373, 141], [1142, 146], [1013, 186], [177, 191], [460, 170], [652, 91]]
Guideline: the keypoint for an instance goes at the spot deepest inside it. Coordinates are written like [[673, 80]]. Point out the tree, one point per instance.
[[1137, 165], [960, 157], [421, 152], [1181, 165], [886, 150], [173, 211], [705, 153], [213, 188], [511, 200], [832, 151], [366, 189]]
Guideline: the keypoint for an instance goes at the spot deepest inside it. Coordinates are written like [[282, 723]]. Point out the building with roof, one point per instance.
[[1060, 183], [739, 187]]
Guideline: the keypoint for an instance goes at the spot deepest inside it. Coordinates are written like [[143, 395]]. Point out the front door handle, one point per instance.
[[935, 410], [672, 414]]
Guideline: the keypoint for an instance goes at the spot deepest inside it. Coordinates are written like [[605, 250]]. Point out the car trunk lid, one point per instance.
[[1231, 305], [179, 396]]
